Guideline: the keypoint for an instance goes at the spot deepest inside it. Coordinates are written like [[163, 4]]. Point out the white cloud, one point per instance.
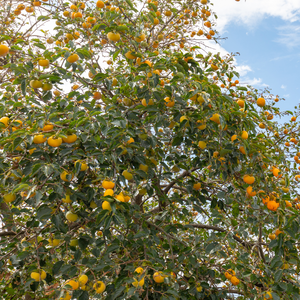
[[289, 35], [251, 12], [283, 86], [253, 82], [243, 69]]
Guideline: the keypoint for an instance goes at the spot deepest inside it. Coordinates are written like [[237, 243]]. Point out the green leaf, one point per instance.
[[47, 96], [23, 86], [40, 45], [116, 54], [22, 255], [112, 248], [56, 267], [241, 88], [84, 295], [20, 187], [44, 212], [44, 18], [177, 140], [275, 296], [83, 243], [84, 53], [278, 275], [77, 255], [100, 77], [131, 5], [235, 210], [210, 247]]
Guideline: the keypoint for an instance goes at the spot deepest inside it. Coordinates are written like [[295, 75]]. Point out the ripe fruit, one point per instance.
[[199, 288], [140, 38], [261, 102], [272, 205], [5, 121], [70, 138], [36, 84], [150, 102], [249, 179], [64, 174], [83, 167], [234, 137], [127, 175], [83, 279], [215, 68], [29, 9], [275, 172], [99, 287], [71, 216], [272, 236], [234, 280], [97, 95], [108, 192], [129, 55], [202, 145], [47, 86], [9, 198], [244, 135], [120, 197], [262, 125], [78, 15], [106, 205], [3, 50], [285, 189], [37, 276], [197, 186], [100, 4], [39, 139], [67, 199], [242, 150], [53, 242], [215, 118], [158, 278], [48, 127], [54, 142], [74, 284], [250, 192], [44, 63], [138, 283], [139, 270], [74, 243], [108, 184], [241, 103], [288, 203], [229, 273], [113, 37], [72, 58], [143, 168]]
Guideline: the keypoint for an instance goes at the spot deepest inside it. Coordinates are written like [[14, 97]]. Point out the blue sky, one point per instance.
[[266, 33]]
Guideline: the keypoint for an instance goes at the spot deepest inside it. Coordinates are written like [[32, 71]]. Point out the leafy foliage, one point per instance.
[[132, 156]]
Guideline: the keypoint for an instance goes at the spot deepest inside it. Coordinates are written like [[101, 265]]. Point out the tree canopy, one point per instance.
[[134, 165]]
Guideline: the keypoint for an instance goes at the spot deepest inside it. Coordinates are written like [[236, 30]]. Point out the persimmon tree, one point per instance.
[[133, 163]]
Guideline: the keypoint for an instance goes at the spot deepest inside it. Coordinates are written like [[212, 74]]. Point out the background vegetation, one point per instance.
[[133, 165]]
